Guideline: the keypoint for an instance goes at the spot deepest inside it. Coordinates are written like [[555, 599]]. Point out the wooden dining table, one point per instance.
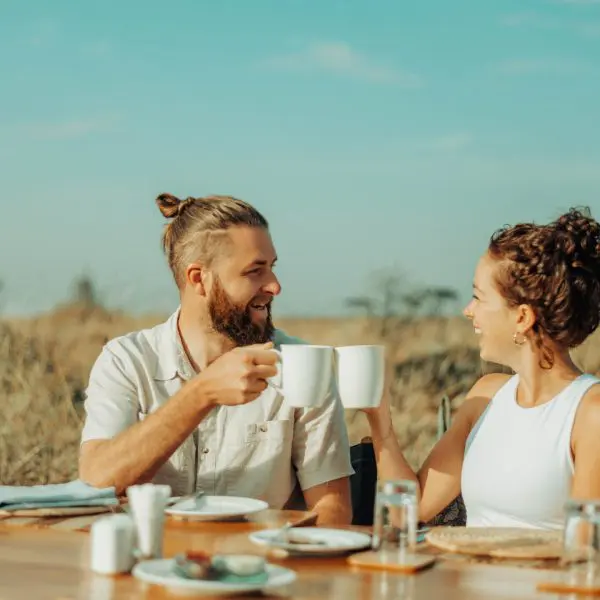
[[48, 559]]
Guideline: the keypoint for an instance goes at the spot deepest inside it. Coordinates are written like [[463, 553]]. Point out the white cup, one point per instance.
[[305, 374], [360, 375]]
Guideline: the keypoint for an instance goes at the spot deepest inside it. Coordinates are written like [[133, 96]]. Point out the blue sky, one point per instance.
[[373, 135]]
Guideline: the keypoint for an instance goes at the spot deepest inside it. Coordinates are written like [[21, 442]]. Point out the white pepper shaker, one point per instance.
[[112, 545]]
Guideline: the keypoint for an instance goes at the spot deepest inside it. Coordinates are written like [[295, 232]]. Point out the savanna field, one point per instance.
[[45, 362]]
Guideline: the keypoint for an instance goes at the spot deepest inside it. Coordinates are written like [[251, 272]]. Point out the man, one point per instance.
[[187, 403]]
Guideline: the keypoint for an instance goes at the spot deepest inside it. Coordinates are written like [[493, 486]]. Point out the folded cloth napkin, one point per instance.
[[73, 493]]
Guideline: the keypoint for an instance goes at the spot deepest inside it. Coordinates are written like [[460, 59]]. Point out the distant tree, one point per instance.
[[85, 292], [85, 297], [362, 304], [439, 298], [384, 302], [395, 308], [413, 302], [387, 286]]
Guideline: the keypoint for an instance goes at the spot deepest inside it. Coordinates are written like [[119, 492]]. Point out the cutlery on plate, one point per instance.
[[283, 536], [178, 499]]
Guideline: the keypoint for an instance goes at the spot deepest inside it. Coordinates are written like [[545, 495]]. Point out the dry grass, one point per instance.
[[45, 362]]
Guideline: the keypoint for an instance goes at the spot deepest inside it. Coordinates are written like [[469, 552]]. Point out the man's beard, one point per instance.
[[235, 322]]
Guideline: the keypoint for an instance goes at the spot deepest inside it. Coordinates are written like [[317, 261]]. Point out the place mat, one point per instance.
[[551, 564], [66, 523], [66, 511], [19, 521], [411, 563], [498, 542]]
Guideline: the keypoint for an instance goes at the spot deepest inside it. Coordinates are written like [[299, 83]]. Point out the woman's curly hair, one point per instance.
[[555, 269]]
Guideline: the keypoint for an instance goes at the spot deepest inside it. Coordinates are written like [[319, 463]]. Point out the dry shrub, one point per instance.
[[39, 426], [45, 362]]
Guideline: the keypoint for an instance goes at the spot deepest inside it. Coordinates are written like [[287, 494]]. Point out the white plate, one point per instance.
[[160, 572], [216, 508], [337, 541]]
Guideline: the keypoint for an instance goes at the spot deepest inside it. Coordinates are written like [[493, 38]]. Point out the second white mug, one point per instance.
[[360, 374]]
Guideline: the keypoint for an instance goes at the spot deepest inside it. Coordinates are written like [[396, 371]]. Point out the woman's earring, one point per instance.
[[518, 342]]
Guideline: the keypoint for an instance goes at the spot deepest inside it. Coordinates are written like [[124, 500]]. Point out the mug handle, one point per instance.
[[277, 388]]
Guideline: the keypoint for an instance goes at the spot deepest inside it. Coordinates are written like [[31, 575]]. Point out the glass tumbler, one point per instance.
[[581, 542], [395, 519]]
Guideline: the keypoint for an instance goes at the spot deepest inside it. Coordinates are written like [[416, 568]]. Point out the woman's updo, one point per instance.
[[555, 269]]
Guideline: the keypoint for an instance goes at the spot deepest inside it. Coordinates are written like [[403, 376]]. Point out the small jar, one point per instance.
[[112, 545]]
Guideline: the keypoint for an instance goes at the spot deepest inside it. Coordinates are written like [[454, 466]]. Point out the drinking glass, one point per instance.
[[581, 542], [396, 518]]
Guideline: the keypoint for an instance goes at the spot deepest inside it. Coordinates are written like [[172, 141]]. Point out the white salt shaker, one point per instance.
[[112, 545]]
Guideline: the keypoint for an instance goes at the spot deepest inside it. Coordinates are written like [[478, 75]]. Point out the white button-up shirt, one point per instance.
[[258, 450]]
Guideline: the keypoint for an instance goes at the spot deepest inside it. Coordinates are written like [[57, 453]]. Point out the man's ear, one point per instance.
[[198, 277]]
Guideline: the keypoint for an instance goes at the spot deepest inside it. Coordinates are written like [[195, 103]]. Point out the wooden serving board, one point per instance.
[[498, 542]]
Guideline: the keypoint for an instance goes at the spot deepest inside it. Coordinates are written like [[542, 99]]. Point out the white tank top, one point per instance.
[[518, 466]]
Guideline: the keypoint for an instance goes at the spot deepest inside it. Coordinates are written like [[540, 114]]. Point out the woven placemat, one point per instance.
[[498, 542]]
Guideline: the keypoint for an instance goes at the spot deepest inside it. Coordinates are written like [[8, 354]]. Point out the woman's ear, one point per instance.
[[526, 319]]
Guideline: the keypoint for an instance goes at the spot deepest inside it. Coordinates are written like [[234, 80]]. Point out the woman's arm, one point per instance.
[[439, 477], [585, 445]]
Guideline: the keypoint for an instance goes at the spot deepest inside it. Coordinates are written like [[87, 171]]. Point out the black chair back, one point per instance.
[[363, 483]]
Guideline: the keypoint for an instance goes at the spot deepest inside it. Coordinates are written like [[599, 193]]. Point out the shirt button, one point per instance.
[[205, 450], [263, 428]]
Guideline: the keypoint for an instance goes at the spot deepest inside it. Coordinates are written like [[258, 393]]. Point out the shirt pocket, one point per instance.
[[262, 455], [268, 433]]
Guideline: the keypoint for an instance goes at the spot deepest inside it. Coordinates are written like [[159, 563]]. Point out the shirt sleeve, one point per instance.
[[321, 450], [111, 403]]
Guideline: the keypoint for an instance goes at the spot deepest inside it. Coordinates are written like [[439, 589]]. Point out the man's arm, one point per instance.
[[331, 501], [119, 451], [112, 462], [321, 455]]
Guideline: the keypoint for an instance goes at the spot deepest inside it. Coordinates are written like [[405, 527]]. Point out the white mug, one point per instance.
[[360, 375], [305, 374]]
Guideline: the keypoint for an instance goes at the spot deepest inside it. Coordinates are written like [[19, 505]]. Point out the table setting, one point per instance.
[[216, 545], [270, 552]]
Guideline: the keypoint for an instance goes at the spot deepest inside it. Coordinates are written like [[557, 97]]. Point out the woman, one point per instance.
[[520, 445]]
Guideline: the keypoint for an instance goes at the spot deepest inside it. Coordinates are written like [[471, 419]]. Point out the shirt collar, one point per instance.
[[172, 361]]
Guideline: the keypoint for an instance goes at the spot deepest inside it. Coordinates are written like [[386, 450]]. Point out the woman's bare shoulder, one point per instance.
[[480, 395]]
